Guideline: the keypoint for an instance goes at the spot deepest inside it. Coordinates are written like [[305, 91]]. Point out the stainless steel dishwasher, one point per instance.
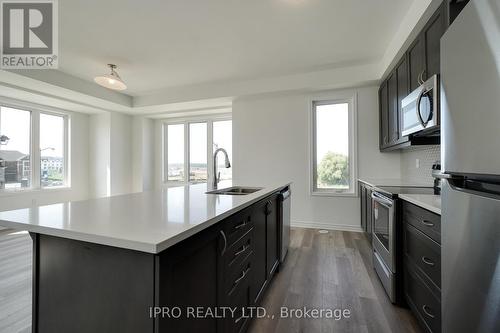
[[285, 204]]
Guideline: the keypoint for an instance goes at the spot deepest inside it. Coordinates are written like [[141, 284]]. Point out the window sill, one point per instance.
[[12, 193], [334, 194]]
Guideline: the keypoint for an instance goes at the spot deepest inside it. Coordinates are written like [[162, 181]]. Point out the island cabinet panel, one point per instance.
[[272, 236], [85, 287], [259, 274], [188, 277]]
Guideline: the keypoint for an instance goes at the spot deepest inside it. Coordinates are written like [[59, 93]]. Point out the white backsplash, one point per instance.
[[427, 156]]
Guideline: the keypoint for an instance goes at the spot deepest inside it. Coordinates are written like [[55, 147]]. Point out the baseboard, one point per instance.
[[327, 226]]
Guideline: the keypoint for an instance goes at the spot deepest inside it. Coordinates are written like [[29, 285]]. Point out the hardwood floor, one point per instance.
[[15, 281], [332, 271]]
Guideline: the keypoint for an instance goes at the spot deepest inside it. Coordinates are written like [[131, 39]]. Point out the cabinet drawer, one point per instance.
[[239, 250], [425, 221], [424, 253], [238, 277], [239, 301], [423, 302], [237, 225]]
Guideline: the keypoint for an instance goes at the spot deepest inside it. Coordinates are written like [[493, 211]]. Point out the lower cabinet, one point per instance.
[[229, 265], [366, 208], [422, 265], [188, 275]]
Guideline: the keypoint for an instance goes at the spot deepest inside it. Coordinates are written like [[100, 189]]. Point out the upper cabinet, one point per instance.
[[420, 61]]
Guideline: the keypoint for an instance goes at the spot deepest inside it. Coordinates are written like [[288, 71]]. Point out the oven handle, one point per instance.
[[382, 200]]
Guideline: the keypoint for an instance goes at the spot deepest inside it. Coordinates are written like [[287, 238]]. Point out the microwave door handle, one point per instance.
[[419, 99]]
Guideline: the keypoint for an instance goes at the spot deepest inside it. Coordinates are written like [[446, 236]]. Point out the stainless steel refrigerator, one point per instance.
[[470, 110]]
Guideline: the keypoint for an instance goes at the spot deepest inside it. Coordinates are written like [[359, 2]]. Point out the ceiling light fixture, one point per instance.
[[4, 140], [111, 80]]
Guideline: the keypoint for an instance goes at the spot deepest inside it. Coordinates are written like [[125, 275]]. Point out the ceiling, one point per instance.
[[159, 44]]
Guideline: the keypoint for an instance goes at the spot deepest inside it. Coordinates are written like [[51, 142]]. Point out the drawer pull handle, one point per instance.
[[241, 225], [243, 274], [238, 320], [426, 311], [427, 261], [243, 250], [427, 223], [225, 243]]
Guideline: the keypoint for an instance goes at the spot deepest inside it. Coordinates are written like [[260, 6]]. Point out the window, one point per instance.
[[52, 163], [222, 131], [198, 166], [333, 151], [34, 156], [190, 145], [15, 154], [175, 171]]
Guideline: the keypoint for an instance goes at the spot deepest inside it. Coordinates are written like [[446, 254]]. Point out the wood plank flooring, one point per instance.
[[330, 270], [15, 281]]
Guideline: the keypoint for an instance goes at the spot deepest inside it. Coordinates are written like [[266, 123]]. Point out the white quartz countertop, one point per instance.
[[147, 221], [427, 201], [391, 182]]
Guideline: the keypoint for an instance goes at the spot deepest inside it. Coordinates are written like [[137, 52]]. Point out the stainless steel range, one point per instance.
[[386, 240]]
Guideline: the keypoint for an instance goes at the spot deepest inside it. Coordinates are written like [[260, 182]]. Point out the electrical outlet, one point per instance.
[[417, 163]]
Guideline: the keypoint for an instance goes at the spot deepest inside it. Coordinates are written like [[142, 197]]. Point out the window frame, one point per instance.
[[186, 121], [339, 98], [35, 158]]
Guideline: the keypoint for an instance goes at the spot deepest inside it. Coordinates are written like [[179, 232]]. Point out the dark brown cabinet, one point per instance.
[[194, 268], [392, 113], [432, 34], [272, 236], [384, 116], [365, 194], [259, 274], [420, 61], [416, 63], [422, 265]]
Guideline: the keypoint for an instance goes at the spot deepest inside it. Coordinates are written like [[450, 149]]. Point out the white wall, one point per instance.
[[99, 147], [79, 165], [270, 136], [143, 146], [111, 170], [121, 154]]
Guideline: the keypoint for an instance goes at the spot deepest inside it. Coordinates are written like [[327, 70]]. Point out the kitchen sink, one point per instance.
[[236, 190]]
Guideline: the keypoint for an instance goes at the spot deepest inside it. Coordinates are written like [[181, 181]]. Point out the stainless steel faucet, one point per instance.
[[227, 165]]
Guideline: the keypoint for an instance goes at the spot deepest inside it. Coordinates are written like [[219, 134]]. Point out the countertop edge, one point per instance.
[[420, 204], [152, 248]]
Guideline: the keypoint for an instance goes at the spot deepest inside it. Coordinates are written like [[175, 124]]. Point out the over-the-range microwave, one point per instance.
[[420, 109]]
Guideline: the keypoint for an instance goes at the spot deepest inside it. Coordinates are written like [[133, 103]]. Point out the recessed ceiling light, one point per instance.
[[111, 80]]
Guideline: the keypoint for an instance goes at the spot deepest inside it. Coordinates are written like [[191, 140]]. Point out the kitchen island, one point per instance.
[[168, 260]]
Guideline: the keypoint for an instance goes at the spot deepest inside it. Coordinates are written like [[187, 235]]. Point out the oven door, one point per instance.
[[383, 228]]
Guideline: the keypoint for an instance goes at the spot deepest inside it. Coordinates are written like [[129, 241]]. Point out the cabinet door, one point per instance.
[[416, 62], [189, 274], [402, 78], [369, 211], [272, 236], [362, 195], [433, 32], [392, 98], [383, 114], [259, 258]]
